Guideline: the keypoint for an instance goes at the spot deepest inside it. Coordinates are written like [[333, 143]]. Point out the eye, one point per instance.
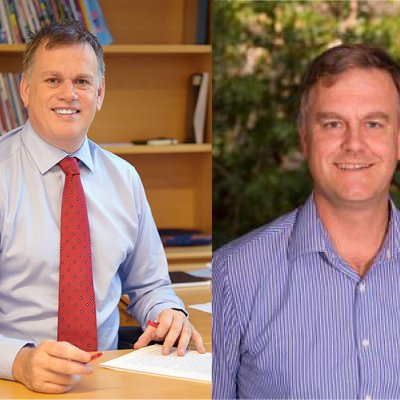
[[373, 124], [82, 82], [53, 81], [333, 124]]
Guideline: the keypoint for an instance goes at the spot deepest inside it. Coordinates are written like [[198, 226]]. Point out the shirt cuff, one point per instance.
[[183, 311], [9, 349]]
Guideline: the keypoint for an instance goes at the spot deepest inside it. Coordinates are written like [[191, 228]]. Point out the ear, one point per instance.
[[100, 94], [304, 140], [24, 89]]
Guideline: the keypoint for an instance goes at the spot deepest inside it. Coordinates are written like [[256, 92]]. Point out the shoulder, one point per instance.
[[10, 143], [111, 163], [268, 242]]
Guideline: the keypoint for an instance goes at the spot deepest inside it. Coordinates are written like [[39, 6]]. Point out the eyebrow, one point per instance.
[[57, 74], [371, 115]]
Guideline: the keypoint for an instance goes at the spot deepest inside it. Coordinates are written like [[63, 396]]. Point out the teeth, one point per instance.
[[65, 111], [352, 166]]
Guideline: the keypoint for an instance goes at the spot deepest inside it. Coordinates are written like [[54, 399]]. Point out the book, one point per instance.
[[98, 22], [12, 15], [196, 15], [161, 141], [149, 360], [22, 22], [184, 237], [202, 22], [4, 104], [197, 107], [12, 111], [180, 278], [21, 111], [5, 33]]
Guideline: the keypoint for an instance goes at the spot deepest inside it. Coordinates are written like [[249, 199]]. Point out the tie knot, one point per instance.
[[70, 166]]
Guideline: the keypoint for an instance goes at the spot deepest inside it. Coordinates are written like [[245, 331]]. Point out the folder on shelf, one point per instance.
[[197, 108], [184, 237]]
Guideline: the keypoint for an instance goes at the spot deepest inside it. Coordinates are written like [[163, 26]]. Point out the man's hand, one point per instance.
[[52, 367], [173, 326]]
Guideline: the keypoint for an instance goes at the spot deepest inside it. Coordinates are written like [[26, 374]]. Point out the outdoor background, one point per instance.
[[260, 50]]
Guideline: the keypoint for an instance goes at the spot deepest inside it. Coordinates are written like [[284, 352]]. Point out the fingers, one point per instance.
[[174, 328], [180, 329], [52, 367], [65, 350], [198, 341], [145, 338]]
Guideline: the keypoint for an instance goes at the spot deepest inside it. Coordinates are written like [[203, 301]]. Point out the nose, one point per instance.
[[67, 91], [353, 139]]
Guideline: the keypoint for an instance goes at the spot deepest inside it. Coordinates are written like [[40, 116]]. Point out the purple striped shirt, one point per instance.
[[291, 319]]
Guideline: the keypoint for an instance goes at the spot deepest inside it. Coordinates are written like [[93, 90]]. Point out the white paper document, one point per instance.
[[206, 307], [149, 360]]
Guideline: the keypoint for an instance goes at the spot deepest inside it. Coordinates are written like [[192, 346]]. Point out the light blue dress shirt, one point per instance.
[[128, 256], [291, 319]]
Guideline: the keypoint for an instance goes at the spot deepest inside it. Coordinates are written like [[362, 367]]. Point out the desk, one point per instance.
[[109, 384]]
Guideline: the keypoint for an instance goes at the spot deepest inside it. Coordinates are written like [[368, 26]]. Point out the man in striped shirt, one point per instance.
[[308, 305]]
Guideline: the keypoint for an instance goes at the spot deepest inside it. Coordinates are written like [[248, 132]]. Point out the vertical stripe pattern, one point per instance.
[[291, 319]]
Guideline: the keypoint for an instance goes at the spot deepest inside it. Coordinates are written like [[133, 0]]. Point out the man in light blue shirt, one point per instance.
[[63, 87], [308, 306]]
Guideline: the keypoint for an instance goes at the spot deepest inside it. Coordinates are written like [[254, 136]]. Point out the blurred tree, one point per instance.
[[260, 50]]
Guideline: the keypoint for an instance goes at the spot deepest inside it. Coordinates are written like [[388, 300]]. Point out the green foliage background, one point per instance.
[[260, 50]]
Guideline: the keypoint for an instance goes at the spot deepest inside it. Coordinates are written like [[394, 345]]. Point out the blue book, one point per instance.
[[97, 22], [202, 22]]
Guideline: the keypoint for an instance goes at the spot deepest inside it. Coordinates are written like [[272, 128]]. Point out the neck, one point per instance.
[[357, 231]]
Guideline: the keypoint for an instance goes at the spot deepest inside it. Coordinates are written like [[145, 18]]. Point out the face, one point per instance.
[[351, 137], [62, 92]]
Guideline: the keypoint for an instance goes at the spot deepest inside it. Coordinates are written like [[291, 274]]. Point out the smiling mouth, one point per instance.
[[353, 166], [65, 111]]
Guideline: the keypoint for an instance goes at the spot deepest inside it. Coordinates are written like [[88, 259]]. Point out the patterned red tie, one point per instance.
[[76, 304]]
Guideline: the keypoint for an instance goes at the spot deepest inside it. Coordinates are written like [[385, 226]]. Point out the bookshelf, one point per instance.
[[147, 85]]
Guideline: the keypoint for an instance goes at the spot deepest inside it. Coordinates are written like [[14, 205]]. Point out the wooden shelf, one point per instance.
[[149, 66], [157, 49], [12, 48], [188, 253], [131, 49], [127, 148], [188, 258]]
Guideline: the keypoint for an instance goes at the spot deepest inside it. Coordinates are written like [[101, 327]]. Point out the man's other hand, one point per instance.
[[173, 327], [52, 367]]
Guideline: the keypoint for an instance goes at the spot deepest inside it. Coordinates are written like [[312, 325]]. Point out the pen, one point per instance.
[[95, 356], [154, 324]]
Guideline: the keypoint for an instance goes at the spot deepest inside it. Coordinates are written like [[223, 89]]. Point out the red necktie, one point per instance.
[[76, 304]]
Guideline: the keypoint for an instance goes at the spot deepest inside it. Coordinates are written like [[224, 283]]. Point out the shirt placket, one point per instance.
[[364, 338]]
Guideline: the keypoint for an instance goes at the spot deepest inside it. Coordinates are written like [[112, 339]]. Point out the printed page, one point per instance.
[[206, 307], [149, 360]]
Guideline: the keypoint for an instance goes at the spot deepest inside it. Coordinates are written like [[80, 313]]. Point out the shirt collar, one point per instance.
[[46, 156], [310, 236], [391, 245]]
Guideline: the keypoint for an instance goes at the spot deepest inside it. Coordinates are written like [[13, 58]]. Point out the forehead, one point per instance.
[[356, 84], [65, 57]]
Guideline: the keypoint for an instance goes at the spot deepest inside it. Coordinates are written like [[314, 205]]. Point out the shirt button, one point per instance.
[[368, 397], [361, 287], [365, 342], [388, 254]]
